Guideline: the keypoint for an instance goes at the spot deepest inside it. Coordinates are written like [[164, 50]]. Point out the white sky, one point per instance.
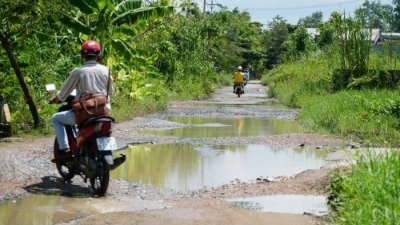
[[291, 10]]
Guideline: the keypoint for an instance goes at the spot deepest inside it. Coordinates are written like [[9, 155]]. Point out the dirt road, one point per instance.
[[26, 169]]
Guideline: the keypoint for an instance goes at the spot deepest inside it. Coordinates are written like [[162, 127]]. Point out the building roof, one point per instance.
[[376, 34]]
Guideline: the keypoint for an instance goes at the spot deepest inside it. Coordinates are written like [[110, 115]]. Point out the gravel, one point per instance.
[[26, 166]]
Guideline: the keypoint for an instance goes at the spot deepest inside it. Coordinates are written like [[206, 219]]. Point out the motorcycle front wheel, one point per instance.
[[64, 168], [100, 182]]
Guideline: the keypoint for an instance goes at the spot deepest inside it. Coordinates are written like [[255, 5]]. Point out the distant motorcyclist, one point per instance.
[[246, 77], [239, 78]]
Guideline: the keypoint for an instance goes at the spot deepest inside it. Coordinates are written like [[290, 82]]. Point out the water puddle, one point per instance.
[[190, 167], [43, 209], [294, 204], [247, 104], [51, 209], [226, 127]]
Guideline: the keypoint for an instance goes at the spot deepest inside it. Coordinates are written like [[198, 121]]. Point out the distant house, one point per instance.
[[312, 32], [376, 35], [392, 38]]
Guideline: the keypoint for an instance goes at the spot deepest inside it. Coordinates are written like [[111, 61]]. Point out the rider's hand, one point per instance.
[[54, 100]]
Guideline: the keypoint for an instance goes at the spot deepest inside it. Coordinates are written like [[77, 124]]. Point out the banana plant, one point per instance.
[[113, 23]]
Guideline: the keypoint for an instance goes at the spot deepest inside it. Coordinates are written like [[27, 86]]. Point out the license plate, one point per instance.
[[106, 143]]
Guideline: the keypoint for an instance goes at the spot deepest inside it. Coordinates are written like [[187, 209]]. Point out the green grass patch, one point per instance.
[[371, 115], [293, 82], [368, 193]]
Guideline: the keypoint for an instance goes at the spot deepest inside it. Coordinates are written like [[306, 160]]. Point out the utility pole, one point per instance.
[[204, 9], [211, 6]]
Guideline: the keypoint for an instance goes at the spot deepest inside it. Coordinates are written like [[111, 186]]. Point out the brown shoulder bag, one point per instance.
[[90, 105]]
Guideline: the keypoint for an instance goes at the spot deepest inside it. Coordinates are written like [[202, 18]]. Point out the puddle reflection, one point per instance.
[[43, 209], [242, 104], [227, 127], [294, 204], [189, 167]]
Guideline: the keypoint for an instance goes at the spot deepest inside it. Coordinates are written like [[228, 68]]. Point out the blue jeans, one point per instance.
[[59, 120]]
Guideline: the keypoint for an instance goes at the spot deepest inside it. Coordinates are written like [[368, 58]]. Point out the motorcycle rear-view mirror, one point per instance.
[[50, 87]]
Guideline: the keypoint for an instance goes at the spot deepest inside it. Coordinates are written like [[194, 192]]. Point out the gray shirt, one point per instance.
[[92, 76]]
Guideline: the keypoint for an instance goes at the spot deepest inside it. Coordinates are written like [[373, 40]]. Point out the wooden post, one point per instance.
[[5, 127], [1, 107]]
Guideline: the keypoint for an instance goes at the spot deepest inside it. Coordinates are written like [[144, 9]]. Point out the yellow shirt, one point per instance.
[[238, 76]]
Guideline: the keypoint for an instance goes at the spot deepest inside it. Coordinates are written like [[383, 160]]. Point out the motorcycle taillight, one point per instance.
[[103, 128]]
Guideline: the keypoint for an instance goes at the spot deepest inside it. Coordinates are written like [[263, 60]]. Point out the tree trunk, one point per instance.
[[28, 97]]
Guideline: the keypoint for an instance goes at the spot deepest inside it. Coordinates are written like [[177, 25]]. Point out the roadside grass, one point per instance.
[[224, 80], [294, 82], [368, 115], [126, 109], [368, 192]]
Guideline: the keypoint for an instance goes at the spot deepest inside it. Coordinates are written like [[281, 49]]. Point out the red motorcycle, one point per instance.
[[91, 145]]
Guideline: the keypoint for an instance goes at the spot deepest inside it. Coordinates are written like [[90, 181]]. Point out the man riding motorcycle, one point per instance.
[[239, 78], [92, 77]]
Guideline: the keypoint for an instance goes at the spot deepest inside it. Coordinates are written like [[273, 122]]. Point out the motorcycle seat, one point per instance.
[[97, 119]]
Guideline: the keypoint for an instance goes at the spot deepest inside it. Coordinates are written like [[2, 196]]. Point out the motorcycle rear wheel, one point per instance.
[[64, 168], [99, 184]]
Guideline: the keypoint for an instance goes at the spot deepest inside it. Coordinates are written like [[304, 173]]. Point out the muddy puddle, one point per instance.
[[43, 209], [189, 167], [47, 209], [226, 127], [293, 204], [271, 104]]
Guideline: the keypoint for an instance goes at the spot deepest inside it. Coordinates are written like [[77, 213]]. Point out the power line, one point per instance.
[[302, 7], [211, 7]]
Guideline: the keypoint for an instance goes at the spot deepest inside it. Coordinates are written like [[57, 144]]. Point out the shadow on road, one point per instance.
[[51, 184]]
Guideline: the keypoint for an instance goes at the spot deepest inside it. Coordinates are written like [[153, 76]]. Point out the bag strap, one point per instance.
[[108, 83], [95, 107]]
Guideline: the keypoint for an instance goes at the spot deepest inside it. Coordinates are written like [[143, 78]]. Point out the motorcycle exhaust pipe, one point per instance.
[[118, 161]]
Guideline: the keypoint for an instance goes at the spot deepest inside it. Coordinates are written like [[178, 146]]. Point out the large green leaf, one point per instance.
[[133, 16], [127, 5], [109, 4], [125, 30], [138, 60], [85, 6], [74, 24], [131, 31], [152, 59], [123, 48], [142, 52]]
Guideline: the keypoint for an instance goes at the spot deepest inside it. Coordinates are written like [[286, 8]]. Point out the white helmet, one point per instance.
[[239, 68]]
